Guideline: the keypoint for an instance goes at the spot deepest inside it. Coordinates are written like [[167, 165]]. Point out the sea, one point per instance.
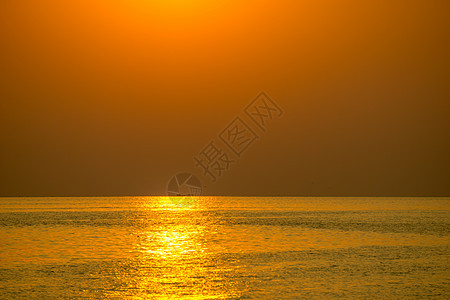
[[224, 248]]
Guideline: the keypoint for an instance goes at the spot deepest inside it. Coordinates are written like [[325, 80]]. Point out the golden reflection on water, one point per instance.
[[175, 203], [174, 259], [174, 243]]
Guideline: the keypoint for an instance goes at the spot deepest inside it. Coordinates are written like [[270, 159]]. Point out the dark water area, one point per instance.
[[224, 248]]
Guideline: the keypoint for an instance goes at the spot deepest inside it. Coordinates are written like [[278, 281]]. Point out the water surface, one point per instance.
[[224, 248]]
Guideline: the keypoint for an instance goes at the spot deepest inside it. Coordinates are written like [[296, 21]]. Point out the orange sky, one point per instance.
[[115, 97]]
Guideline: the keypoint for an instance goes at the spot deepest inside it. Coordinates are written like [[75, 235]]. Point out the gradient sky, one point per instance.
[[114, 97]]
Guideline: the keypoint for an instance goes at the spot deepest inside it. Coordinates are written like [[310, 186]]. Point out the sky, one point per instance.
[[115, 97]]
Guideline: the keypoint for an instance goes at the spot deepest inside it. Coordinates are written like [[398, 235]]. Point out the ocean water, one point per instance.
[[224, 248]]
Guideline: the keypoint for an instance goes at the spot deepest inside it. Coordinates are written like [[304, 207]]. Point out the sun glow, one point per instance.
[[178, 10], [182, 5]]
